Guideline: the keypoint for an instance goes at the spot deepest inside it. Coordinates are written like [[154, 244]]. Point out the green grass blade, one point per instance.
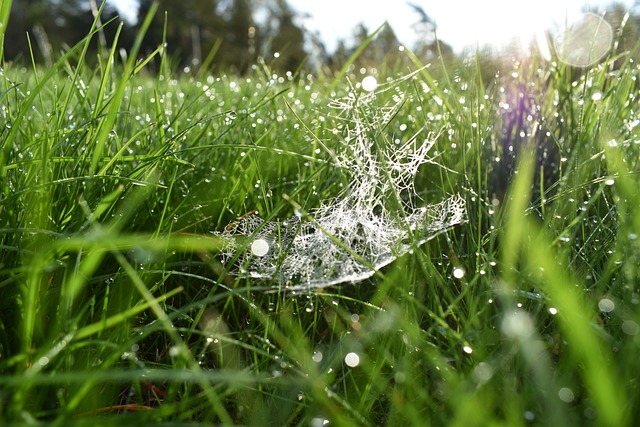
[[5, 11]]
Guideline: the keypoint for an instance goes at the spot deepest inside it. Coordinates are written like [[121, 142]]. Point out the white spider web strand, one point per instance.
[[364, 228]]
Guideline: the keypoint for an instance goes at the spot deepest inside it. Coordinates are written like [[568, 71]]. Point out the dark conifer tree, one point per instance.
[[286, 38]]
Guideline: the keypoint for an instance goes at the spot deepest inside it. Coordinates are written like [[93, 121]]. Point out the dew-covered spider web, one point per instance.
[[372, 222]]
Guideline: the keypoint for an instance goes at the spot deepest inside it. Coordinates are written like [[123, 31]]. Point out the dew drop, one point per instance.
[[319, 422], [630, 327], [369, 83], [606, 305], [517, 324], [566, 394], [483, 372], [260, 247], [352, 359]]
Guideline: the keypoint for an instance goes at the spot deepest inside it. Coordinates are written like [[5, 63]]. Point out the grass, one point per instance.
[[116, 309]]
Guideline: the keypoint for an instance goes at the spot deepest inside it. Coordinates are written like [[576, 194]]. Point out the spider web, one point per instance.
[[367, 226]]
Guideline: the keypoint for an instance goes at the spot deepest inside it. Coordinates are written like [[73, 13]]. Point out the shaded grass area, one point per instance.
[[115, 307]]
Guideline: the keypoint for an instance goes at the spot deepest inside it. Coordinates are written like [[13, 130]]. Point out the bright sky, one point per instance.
[[460, 23]]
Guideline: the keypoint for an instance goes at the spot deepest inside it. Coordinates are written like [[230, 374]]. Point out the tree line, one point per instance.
[[223, 35], [218, 34]]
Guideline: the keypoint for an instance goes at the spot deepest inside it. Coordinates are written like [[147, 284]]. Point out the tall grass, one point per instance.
[[115, 307]]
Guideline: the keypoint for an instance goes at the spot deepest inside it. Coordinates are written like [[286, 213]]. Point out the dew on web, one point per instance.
[[366, 227], [260, 247], [369, 83]]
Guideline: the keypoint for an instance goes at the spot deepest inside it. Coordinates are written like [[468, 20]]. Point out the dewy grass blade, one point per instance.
[[116, 319], [107, 124], [5, 11], [577, 320], [340, 76], [28, 103]]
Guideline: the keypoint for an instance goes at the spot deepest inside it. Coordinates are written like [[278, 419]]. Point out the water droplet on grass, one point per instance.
[[352, 359], [566, 394], [606, 305], [260, 247], [630, 327], [319, 422], [517, 324], [482, 372]]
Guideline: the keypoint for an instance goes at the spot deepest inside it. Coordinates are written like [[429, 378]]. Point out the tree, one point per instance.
[[191, 27], [385, 45], [287, 39], [51, 26], [381, 49], [239, 46], [22, 19], [429, 47], [195, 27]]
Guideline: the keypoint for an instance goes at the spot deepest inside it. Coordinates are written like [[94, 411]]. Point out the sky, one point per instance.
[[460, 23]]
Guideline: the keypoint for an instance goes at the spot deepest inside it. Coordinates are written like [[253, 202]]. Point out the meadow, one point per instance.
[[118, 308]]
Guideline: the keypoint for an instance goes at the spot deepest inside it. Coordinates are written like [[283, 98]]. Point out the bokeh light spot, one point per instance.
[[584, 42], [352, 359], [260, 247], [369, 83]]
